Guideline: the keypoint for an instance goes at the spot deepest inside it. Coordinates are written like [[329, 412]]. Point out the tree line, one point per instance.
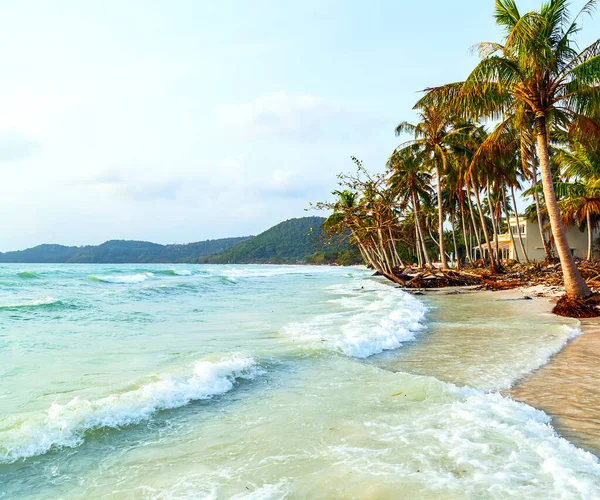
[[526, 119]]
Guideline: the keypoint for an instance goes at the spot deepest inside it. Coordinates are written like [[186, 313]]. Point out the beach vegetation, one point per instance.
[[525, 120]]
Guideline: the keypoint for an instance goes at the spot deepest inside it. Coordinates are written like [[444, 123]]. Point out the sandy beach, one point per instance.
[[567, 387]]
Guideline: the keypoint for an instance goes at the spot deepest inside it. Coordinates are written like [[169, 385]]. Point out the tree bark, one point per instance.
[[395, 255], [443, 259], [420, 230], [575, 285], [494, 221], [536, 198], [478, 239], [456, 256], [514, 198], [464, 233], [493, 266], [590, 249], [418, 247], [512, 238]]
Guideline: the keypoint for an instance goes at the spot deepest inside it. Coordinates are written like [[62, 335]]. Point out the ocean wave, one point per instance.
[[124, 279], [28, 275], [175, 272], [43, 301], [469, 443], [529, 363], [269, 271], [66, 425], [372, 319]]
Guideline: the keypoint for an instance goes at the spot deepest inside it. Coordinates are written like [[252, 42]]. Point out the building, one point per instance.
[[532, 241]]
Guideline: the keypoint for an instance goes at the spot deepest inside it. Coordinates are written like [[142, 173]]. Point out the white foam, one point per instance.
[[65, 425], [373, 318], [467, 443], [132, 278], [43, 301], [274, 491], [525, 364], [268, 271]]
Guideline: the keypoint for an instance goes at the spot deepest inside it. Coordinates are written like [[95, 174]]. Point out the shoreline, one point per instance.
[[566, 386]]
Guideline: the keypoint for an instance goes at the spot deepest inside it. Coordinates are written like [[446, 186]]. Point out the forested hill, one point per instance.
[[120, 252], [295, 240]]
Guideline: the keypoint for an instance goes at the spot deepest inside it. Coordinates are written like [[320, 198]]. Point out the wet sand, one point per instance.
[[568, 388]]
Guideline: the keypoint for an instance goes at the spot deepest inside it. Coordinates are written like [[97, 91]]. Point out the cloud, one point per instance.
[[281, 179], [136, 185], [14, 147], [284, 184], [152, 191], [290, 116]]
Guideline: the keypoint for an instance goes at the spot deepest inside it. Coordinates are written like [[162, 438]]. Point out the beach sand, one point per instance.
[[568, 386]]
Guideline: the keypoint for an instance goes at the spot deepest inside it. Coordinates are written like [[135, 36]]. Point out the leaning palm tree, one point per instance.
[[537, 72]]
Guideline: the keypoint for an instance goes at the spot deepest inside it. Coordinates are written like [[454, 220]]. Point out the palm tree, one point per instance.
[[581, 196], [434, 135], [410, 182], [537, 72]]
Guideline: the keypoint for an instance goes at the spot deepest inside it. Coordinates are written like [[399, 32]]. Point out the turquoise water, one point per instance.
[[159, 381]]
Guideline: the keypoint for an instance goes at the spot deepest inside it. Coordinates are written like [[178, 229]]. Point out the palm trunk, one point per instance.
[[538, 210], [514, 198], [588, 218], [420, 230], [512, 238], [418, 246], [366, 257], [363, 250], [377, 257], [493, 266], [456, 256], [575, 285], [494, 221], [464, 233], [395, 254], [474, 223], [440, 216]]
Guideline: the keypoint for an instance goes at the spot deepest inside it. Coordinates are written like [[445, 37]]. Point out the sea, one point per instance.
[[270, 382]]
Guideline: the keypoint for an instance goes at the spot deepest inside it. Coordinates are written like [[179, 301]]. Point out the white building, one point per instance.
[[532, 241]]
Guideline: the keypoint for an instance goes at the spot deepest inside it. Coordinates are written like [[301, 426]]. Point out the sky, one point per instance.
[[182, 120]]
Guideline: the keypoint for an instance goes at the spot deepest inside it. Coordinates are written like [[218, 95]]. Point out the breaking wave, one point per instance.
[[44, 301], [371, 319], [469, 443], [28, 275], [175, 272], [66, 425], [124, 279]]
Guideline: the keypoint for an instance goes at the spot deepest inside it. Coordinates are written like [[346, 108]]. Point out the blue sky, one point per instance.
[[178, 121]]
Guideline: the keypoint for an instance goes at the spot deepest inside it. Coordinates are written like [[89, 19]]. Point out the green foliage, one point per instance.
[[120, 252], [295, 240], [349, 257]]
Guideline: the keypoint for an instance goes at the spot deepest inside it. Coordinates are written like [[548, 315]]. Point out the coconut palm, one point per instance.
[[537, 72], [410, 182], [433, 135], [581, 169]]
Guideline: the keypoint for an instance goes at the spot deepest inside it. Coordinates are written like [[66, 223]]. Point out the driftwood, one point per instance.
[[586, 308], [435, 278], [512, 276]]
